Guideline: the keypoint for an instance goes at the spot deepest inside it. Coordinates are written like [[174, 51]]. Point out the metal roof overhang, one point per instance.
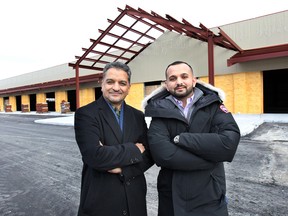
[[133, 31], [152, 26], [51, 84], [259, 54]]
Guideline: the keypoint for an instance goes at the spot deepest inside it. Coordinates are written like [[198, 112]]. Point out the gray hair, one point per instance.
[[118, 65]]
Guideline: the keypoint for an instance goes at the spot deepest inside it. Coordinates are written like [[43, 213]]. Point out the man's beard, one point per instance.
[[183, 94]]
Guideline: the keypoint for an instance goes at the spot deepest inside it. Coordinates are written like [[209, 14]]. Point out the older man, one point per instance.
[[111, 136]]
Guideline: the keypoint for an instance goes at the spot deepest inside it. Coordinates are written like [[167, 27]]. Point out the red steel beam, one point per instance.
[[106, 54], [52, 84], [77, 86], [142, 20], [230, 41], [85, 67], [259, 54], [159, 20], [101, 37], [93, 60], [133, 30], [211, 58], [123, 38], [116, 47]]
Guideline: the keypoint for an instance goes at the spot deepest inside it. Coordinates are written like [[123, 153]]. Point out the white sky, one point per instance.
[[38, 34]]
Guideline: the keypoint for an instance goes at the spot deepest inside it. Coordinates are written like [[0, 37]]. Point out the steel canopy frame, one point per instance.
[[259, 54], [130, 40], [135, 31]]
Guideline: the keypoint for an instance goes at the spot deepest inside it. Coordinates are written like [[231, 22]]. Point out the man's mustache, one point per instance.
[[180, 85]]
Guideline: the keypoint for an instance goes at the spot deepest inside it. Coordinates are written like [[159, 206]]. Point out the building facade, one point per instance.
[[253, 86]]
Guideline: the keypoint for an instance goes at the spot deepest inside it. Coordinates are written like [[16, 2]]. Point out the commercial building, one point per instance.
[[247, 59]]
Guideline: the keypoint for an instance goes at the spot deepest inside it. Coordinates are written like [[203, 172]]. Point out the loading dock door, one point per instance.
[[50, 100], [32, 99], [275, 91], [18, 103], [72, 99]]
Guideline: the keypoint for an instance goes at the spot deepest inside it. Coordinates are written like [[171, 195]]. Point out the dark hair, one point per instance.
[[177, 63], [117, 65]]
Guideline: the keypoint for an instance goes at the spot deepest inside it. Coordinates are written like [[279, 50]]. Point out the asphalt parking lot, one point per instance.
[[40, 171]]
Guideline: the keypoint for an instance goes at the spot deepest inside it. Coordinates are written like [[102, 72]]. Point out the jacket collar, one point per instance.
[[162, 92], [109, 117]]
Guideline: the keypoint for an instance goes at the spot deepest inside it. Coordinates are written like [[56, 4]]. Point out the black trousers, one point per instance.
[[164, 186]]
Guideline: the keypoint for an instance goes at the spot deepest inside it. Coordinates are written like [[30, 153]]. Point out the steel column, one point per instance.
[[210, 58], [77, 86]]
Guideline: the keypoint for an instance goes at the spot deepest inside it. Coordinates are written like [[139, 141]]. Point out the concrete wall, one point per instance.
[[259, 32]]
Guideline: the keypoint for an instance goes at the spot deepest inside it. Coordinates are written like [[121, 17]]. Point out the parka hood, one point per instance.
[[162, 92]]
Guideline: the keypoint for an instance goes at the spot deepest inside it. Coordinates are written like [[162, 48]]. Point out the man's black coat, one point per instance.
[[103, 193]]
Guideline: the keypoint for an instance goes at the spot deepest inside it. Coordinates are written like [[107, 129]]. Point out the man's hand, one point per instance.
[[115, 171], [140, 147]]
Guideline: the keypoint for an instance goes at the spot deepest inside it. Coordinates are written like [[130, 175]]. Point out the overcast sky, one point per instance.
[[38, 34]]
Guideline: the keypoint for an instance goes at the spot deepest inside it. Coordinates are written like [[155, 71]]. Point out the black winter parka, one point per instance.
[[193, 169]]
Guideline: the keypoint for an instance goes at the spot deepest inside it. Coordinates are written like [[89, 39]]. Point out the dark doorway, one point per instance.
[[50, 100], [32, 100], [275, 91], [6, 100], [72, 99], [18, 103], [98, 93]]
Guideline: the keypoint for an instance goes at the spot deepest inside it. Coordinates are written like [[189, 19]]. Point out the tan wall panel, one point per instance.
[[225, 83], [204, 79], [59, 97], [1, 104], [136, 95], [25, 99], [255, 93], [244, 91], [248, 92], [86, 96], [41, 98], [240, 93], [12, 102]]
